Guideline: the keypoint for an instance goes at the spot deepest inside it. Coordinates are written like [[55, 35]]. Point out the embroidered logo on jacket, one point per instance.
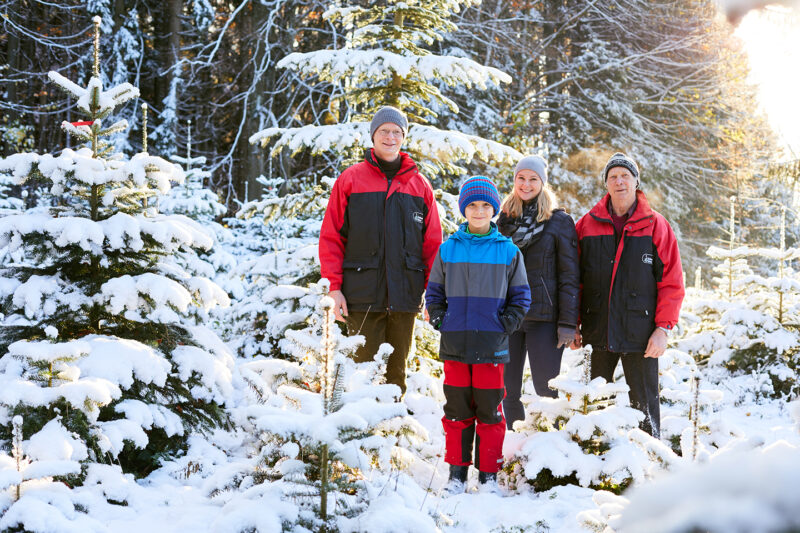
[[647, 259], [418, 218], [501, 353]]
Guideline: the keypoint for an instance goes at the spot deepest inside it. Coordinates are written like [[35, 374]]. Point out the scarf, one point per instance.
[[527, 227]]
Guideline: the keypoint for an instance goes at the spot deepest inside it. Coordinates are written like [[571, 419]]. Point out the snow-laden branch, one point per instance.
[[445, 146], [380, 66]]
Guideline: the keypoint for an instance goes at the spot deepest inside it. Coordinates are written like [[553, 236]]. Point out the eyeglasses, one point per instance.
[[389, 133]]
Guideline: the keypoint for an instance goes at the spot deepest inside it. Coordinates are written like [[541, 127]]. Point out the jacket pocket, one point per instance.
[[414, 276], [593, 314], [509, 323], [360, 280], [640, 317]]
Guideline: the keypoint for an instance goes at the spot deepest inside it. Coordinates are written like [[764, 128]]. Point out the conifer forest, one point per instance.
[[169, 355]]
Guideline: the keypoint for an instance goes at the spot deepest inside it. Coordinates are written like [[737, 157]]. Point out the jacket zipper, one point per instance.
[[546, 291], [385, 201]]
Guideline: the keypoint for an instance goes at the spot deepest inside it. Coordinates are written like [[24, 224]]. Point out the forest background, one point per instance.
[[665, 81]]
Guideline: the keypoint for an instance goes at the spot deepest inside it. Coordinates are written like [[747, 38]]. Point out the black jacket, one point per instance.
[[551, 262], [378, 239], [631, 288]]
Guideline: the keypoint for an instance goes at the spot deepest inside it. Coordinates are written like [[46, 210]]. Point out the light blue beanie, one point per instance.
[[534, 163]]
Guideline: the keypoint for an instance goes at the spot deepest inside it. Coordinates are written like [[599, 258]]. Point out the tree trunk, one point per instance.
[[13, 52], [254, 156]]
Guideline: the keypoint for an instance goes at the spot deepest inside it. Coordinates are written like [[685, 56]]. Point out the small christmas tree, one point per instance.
[[33, 475], [192, 199], [287, 230], [584, 438], [320, 420], [100, 277], [750, 323]]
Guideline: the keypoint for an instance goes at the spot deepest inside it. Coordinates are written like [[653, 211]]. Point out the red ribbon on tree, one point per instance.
[[83, 123]]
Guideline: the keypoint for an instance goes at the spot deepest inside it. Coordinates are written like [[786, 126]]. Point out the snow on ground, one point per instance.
[[744, 436], [180, 498]]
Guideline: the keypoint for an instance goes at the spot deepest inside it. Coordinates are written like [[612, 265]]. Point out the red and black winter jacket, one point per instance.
[[627, 290], [378, 240]]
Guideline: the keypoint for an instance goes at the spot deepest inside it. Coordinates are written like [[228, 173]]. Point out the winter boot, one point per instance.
[[457, 483], [487, 483]]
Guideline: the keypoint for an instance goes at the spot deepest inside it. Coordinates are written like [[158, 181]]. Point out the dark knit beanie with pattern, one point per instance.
[[388, 114], [478, 189], [621, 160]]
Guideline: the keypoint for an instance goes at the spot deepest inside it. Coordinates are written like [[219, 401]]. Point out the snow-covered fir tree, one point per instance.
[[8, 203], [583, 437], [748, 324], [283, 232], [320, 421], [386, 61], [193, 199], [94, 308]]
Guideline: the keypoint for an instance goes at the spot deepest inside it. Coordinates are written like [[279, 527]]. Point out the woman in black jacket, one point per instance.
[[546, 236]]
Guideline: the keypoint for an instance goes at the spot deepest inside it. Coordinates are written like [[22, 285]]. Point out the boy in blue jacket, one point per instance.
[[477, 295]]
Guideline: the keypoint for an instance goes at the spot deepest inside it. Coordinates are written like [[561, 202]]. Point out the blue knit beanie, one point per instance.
[[478, 189]]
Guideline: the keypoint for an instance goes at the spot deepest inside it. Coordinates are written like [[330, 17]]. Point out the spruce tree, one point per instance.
[[319, 420], [750, 323], [94, 327], [584, 437], [193, 199], [386, 60]]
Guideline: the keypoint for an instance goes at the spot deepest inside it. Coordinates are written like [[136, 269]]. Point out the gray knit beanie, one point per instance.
[[621, 160], [534, 163], [388, 114]]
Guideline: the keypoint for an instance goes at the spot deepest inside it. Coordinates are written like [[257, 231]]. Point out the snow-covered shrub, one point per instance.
[[749, 325], [193, 200], [34, 478], [319, 420], [276, 276], [583, 437], [686, 405]]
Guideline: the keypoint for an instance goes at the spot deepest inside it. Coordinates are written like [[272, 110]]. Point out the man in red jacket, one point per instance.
[[631, 286], [377, 244]]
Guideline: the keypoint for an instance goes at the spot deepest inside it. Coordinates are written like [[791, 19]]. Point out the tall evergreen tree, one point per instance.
[[385, 60], [94, 324]]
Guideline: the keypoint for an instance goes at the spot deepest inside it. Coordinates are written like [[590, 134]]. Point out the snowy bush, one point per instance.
[[319, 420], [584, 437]]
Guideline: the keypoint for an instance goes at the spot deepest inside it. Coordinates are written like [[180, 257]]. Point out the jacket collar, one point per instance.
[[643, 211], [407, 166], [493, 235]]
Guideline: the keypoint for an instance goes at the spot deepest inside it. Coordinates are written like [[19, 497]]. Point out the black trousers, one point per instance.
[[396, 328], [538, 340], [641, 375]]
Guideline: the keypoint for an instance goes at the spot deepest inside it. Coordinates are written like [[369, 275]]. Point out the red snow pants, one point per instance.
[[473, 415]]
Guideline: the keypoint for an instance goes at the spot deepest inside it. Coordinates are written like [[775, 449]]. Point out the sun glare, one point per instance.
[[772, 40]]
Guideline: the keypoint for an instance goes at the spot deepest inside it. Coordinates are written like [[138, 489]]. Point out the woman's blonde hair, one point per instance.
[[546, 201]]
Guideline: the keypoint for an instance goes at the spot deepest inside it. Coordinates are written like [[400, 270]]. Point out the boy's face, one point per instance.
[[479, 215]]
